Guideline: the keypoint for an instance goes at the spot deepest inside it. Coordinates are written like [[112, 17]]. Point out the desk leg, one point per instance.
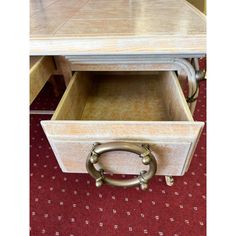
[[63, 67]]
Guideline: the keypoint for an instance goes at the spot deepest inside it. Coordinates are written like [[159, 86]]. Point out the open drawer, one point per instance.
[[136, 107]]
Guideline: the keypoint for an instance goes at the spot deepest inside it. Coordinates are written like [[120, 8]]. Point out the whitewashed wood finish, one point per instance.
[[63, 68], [182, 76], [74, 99], [132, 97], [170, 157], [64, 136], [123, 67], [41, 68], [173, 141], [76, 27], [173, 98], [123, 96]]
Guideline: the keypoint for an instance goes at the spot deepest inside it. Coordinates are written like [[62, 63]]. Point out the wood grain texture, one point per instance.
[[64, 68], [34, 60], [173, 98], [72, 140], [174, 140], [123, 67], [41, 68], [74, 99], [76, 27], [123, 96], [126, 97], [182, 76], [170, 158]]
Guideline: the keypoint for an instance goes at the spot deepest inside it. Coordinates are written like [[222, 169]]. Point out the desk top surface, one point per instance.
[[79, 27]]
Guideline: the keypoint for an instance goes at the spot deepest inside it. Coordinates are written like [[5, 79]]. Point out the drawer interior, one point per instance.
[[123, 96]]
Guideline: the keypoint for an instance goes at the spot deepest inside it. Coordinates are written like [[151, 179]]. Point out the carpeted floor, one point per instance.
[[70, 204]]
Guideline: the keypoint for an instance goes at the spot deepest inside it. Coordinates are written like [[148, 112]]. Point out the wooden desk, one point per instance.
[[122, 35], [83, 27], [124, 30]]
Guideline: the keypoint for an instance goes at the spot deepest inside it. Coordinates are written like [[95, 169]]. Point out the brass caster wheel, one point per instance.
[[169, 180]]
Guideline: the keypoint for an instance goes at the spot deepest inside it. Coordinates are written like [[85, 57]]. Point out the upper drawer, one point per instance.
[[137, 107], [41, 68]]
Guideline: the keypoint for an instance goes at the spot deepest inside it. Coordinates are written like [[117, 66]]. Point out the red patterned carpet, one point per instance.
[[70, 204]]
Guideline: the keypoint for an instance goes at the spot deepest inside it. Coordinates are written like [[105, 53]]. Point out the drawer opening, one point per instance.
[[123, 96]]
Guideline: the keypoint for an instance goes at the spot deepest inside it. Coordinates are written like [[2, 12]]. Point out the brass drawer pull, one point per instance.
[[141, 150]]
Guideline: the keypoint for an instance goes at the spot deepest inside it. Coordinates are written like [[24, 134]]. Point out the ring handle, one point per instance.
[[141, 150]]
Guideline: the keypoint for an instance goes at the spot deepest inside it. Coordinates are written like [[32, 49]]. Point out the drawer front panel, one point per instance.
[[173, 143], [170, 157]]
